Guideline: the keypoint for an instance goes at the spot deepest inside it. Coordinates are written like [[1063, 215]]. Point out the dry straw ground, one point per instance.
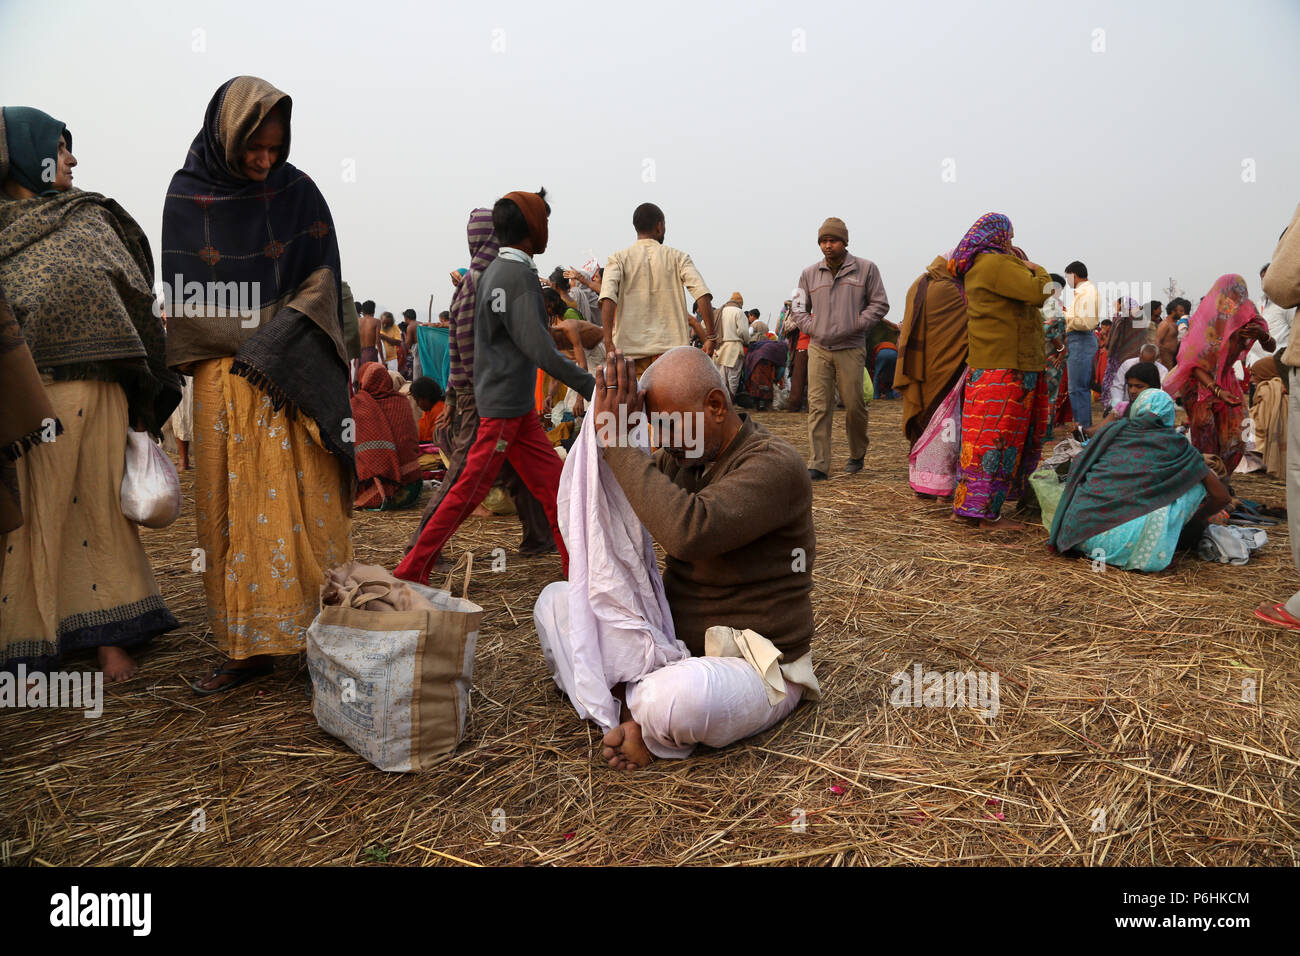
[[1120, 693]]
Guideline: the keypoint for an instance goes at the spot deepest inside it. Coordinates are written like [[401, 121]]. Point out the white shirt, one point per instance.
[[1279, 322], [1118, 389]]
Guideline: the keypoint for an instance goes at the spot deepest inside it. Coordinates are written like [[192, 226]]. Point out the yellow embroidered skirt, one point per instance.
[[272, 514], [75, 575]]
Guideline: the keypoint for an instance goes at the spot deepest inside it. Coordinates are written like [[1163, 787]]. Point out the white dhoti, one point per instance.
[[610, 624]]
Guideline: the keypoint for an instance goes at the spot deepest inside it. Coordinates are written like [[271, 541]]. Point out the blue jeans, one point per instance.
[[1081, 353]]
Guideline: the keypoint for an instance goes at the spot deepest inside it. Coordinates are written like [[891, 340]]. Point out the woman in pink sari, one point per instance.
[[1223, 328]]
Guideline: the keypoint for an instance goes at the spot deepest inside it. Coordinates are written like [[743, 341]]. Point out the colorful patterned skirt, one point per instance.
[[1214, 426], [1004, 420]]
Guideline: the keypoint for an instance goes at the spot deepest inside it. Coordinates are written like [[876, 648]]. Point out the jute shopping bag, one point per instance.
[[394, 684]]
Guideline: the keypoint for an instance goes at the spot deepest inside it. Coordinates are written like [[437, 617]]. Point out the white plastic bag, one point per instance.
[[151, 489]]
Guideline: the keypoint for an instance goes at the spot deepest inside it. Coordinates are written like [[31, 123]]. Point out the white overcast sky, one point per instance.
[[1119, 133]]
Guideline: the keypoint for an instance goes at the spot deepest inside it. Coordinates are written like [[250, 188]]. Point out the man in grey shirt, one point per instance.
[[510, 341]]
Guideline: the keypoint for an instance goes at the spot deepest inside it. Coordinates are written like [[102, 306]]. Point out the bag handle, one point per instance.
[[352, 599], [469, 568]]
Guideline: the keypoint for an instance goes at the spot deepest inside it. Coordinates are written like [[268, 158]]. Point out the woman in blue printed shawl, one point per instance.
[[1138, 487]]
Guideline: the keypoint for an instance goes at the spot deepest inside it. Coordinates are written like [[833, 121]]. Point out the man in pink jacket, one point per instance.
[[839, 300]]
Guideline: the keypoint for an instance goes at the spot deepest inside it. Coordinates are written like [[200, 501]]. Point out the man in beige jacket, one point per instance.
[[839, 300], [733, 331]]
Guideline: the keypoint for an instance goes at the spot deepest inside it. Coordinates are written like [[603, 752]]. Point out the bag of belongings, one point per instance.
[[391, 664]]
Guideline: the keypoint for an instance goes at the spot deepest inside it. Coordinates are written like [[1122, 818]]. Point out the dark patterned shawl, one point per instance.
[[230, 243], [78, 273], [1130, 468]]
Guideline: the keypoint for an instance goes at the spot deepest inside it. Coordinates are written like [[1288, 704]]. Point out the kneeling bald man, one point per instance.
[[733, 512]]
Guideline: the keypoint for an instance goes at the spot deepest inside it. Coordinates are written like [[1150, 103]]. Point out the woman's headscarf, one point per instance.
[[78, 273], [1130, 468], [33, 138], [386, 439], [1223, 312], [991, 233], [269, 246]]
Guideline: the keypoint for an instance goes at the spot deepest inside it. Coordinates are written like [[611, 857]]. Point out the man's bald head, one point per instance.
[[683, 377], [685, 382]]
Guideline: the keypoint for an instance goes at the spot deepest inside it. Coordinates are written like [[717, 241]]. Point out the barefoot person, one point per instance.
[[78, 273], [1005, 405], [273, 458], [732, 561]]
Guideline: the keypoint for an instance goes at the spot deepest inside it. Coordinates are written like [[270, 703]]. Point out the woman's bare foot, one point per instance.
[[625, 748], [117, 664]]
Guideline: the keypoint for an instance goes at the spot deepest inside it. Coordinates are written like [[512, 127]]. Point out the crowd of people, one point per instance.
[[992, 361], [311, 405]]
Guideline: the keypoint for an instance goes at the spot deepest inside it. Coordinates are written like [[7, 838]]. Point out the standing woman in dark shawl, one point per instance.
[[82, 360], [252, 261]]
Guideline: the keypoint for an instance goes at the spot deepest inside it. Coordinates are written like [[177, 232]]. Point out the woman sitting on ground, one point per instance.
[[429, 396], [388, 448], [1137, 378], [1138, 490]]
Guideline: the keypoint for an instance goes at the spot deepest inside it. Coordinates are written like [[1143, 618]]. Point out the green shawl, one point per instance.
[[1130, 468]]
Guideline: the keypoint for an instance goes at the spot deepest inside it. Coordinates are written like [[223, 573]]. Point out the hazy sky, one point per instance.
[[1118, 133]]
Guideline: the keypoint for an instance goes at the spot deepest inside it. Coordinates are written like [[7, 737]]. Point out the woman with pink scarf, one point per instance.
[[1223, 328]]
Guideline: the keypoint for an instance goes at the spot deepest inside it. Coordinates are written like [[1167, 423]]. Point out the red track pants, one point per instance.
[[520, 441]]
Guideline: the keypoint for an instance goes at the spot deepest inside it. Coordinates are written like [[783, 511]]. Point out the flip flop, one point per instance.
[[241, 675], [1281, 618]]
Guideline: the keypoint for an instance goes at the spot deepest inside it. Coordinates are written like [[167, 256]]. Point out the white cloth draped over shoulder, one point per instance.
[[619, 627]]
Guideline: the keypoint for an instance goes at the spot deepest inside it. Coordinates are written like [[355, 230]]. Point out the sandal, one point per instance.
[[1279, 618], [241, 675]]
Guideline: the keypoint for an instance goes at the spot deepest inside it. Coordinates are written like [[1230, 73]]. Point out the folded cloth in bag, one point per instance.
[[391, 664], [151, 489]]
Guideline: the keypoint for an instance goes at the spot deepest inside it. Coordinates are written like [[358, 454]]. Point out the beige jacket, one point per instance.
[[1282, 281]]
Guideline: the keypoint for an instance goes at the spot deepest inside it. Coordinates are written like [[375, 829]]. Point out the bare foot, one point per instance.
[[624, 747], [117, 664]]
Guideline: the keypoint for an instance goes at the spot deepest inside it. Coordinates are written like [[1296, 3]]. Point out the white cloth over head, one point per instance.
[[619, 627]]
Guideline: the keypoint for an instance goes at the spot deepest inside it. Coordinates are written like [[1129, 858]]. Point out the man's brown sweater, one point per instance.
[[739, 540]]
